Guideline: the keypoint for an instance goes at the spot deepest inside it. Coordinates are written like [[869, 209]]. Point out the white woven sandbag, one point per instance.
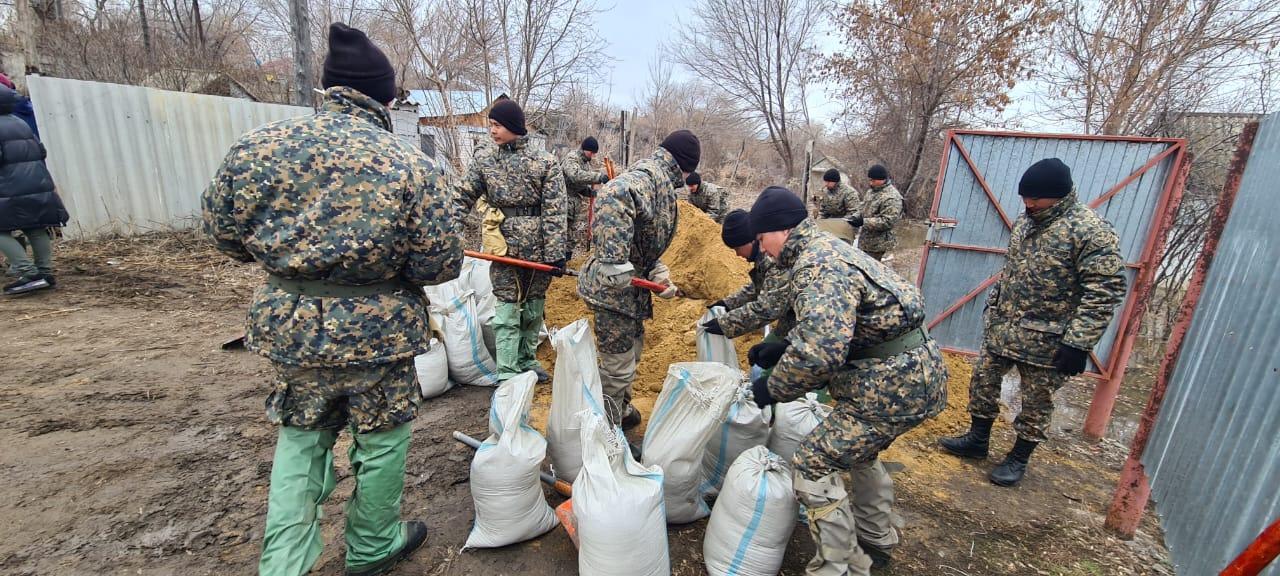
[[432, 368], [622, 530], [510, 505], [475, 276], [455, 312], [792, 421], [715, 347], [689, 411], [575, 387], [745, 426], [753, 517]]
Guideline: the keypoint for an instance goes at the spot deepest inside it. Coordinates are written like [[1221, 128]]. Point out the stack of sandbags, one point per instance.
[[454, 310]]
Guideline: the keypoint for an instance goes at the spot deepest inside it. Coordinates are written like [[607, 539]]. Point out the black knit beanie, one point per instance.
[[878, 172], [736, 230], [777, 209], [507, 113], [1048, 178], [686, 149], [831, 175], [590, 144], [693, 178], [354, 61]]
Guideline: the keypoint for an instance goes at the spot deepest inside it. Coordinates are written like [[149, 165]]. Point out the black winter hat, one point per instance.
[[736, 230], [693, 178], [831, 175], [878, 172], [684, 146], [1048, 178], [777, 209], [590, 144], [355, 62], [507, 113]]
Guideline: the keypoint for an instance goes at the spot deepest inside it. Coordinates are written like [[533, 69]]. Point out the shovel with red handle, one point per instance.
[[549, 269]]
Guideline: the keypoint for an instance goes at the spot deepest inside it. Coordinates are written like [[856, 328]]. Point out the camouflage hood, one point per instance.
[[344, 100]]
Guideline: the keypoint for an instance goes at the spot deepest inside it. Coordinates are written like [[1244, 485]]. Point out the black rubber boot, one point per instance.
[[415, 535], [632, 419], [1010, 472], [880, 556], [972, 444]]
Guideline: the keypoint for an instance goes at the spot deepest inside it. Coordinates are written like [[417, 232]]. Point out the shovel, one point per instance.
[[649, 285]]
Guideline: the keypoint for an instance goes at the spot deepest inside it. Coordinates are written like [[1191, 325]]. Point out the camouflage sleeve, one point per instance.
[[555, 213], [575, 175], [820, 340], [886, 213], [740, 298], [1100, 269], [852, 204], [769, 305], [433, 230], [217, 208], [469, 190], [611, 231], [722, 205]]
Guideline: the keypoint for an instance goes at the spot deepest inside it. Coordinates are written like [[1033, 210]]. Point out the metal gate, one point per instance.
[[1134, 183]]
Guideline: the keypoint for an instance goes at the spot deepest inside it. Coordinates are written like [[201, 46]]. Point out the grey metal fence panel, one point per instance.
[[1097, 166], [133, 158], [1214, 455]]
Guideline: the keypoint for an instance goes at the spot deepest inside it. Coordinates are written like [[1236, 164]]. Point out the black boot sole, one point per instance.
[[964, 453]]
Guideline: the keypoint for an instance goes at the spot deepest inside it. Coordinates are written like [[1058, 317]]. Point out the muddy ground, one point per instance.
[[133, 445]]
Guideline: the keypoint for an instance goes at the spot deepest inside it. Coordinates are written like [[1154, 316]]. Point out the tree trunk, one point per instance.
[[199, 22], [917, 152], [146, 28], [300, 23]]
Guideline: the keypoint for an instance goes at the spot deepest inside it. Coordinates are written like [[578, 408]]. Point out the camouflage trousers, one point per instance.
[[578, 206], [1038, 386], [368, 398], [515, 284], [620, 339]]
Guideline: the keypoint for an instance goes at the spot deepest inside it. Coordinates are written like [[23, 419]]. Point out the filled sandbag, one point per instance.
[[715, 347], [792, 421], [689, 411], [753, 517], [622, 530], [432, 369], [745, 426], [510, 506], [475, 275], [575, 387], [454, 310]]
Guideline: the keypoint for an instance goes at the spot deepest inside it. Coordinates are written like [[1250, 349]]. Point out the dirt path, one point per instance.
[[135, 446]]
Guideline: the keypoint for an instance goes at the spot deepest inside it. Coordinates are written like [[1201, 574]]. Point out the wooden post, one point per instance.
[[300, 27]]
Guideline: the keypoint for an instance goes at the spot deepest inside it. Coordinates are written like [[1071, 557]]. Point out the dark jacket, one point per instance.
[[28, 198], [27, 113]]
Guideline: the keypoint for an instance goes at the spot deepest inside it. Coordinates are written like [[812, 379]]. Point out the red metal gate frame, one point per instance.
[[1109, 376]]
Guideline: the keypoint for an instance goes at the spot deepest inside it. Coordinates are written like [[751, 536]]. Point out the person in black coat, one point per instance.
[[29, 202]]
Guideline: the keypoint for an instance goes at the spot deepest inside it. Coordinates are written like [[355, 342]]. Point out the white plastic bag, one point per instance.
[[510, 505], [575, 387], [792, 421], [745, 426], [715, 347], [689, 411], [432, 368], [455, 312], [618, 505], [753, 517]]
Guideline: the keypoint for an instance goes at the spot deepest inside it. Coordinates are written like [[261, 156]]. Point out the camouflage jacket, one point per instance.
[[1061, 282], [527, 185], [842, 202], [580, 173], [635, 221], [844, 300], [711, 199], [762, 301], [881, 210], [336, 197]]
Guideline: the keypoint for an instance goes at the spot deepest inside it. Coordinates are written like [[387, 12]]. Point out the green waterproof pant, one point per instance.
[[302, 478], [507, 339], [530, 324]]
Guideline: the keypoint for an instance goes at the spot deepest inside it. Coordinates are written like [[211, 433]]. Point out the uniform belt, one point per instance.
[[327, 289], [518, 211], [913, 339]]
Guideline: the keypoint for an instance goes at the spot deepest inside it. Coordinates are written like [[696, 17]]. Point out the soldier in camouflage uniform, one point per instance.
[[860, 333], [581, 180], [881, 210], [762, 301], [837, 199], [708, 197], [527, 186], [1061, 282], [634, 223], [348, 222]]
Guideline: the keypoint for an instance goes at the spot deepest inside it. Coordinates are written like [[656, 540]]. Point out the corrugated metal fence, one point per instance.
[[128, 158], [1214, 456]]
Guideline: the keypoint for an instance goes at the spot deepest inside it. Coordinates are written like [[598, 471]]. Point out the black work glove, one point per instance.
[[719, 303], [760, 392], [855, 220], [767, 354], [712, 326], [1070, 361]]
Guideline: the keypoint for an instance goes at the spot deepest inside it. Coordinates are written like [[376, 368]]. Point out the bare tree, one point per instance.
[[758, 52]]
